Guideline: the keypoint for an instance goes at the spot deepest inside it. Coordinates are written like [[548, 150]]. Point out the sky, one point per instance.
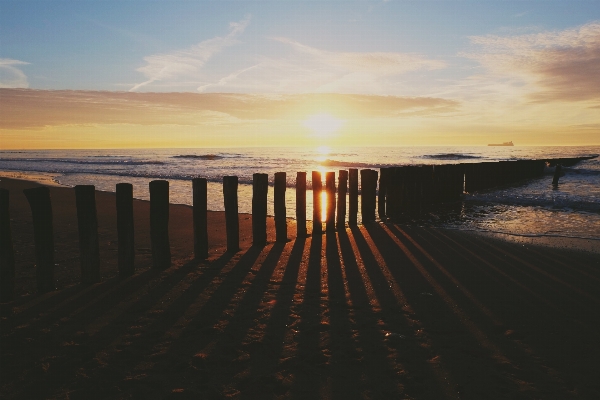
[[129, 74]]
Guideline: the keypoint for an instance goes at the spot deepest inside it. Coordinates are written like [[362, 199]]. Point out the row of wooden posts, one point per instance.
[[401, 189], [41, 207]]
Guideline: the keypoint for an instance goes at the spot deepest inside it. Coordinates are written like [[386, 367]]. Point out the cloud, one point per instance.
[[26, 108], [168, 67], [376, 63], [299, 68], [11, 76], [555, 66]]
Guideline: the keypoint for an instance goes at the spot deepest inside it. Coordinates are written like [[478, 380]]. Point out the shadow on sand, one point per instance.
[[375, 312]]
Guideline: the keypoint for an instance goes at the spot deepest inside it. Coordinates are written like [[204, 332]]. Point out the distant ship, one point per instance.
[[502, 144]]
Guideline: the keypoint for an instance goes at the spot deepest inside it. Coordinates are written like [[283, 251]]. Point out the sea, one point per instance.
[[530, 208]]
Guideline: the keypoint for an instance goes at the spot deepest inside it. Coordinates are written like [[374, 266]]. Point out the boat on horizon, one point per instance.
[[502, 144]]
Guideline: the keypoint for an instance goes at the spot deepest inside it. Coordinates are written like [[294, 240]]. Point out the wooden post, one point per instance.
[[301, 204], [353, 197], [384, 174], [199, 216], [341, 204], [330, 189], [125, 229], [368, 187], [41, 210], [279, 205], [232, 222], [7, 254], [316, 187], [159, 224], [87, 222], [557, 174], [392, 201], [260, 190]]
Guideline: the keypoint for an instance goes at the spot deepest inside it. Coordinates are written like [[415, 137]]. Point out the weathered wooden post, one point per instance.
[[7, 254], [232, 222], [392, 204], [280, 184], [41, 210], [301, 204], [341, 205], [199, 216], [125, 228], [330, 188], [373, 192], [353, 197], [557, 174], [368, 188], [260, 190], [159, 224], [384, 174], [87, 222], [316, 187]]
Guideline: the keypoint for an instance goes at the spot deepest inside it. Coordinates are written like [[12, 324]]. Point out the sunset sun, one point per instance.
[[323, 125]]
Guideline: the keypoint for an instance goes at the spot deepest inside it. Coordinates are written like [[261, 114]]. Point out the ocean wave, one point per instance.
[[450, 156], [81, 162], [349, 164], [200, 156]]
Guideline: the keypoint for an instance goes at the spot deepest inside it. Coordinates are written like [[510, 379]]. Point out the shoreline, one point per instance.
[[555, 241]]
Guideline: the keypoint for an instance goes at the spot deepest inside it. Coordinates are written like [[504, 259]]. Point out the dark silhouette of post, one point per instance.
[[159, 224], [87, 223], [353, 197], [368, 188], [301, 204], [260, 190], [125, 229], [384, 174], [199, 215], [330, 212], [7, 254], [393, 194], [279, 187], [232, 222], [341, 205], [316, 187], [557, 174], [41, 210]]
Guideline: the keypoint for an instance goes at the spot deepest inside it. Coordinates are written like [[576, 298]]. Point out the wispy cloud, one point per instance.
[[553, 66], [376, 63], [299, 68], [187, 62], [10, 75], [26, 108]]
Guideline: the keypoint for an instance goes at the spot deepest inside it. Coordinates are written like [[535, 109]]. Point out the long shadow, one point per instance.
[[42, 382], [494, 350], [267, 355], [224, 358], [424, 378], [381, 379], [344, 364], [471, 265], [546, 278], [150, 346], [310, 360]]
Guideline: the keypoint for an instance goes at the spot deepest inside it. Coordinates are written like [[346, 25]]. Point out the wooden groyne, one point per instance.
[[392, 192]]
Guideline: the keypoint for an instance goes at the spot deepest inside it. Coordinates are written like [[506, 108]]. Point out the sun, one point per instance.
[[323, 125]]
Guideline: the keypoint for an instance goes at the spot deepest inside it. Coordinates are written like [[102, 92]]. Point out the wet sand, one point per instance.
[[376, 312]]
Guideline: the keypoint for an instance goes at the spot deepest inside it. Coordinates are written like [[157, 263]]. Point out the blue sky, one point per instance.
[[500, 53]]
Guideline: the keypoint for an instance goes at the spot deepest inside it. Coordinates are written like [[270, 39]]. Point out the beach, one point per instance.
[[381, 311]]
